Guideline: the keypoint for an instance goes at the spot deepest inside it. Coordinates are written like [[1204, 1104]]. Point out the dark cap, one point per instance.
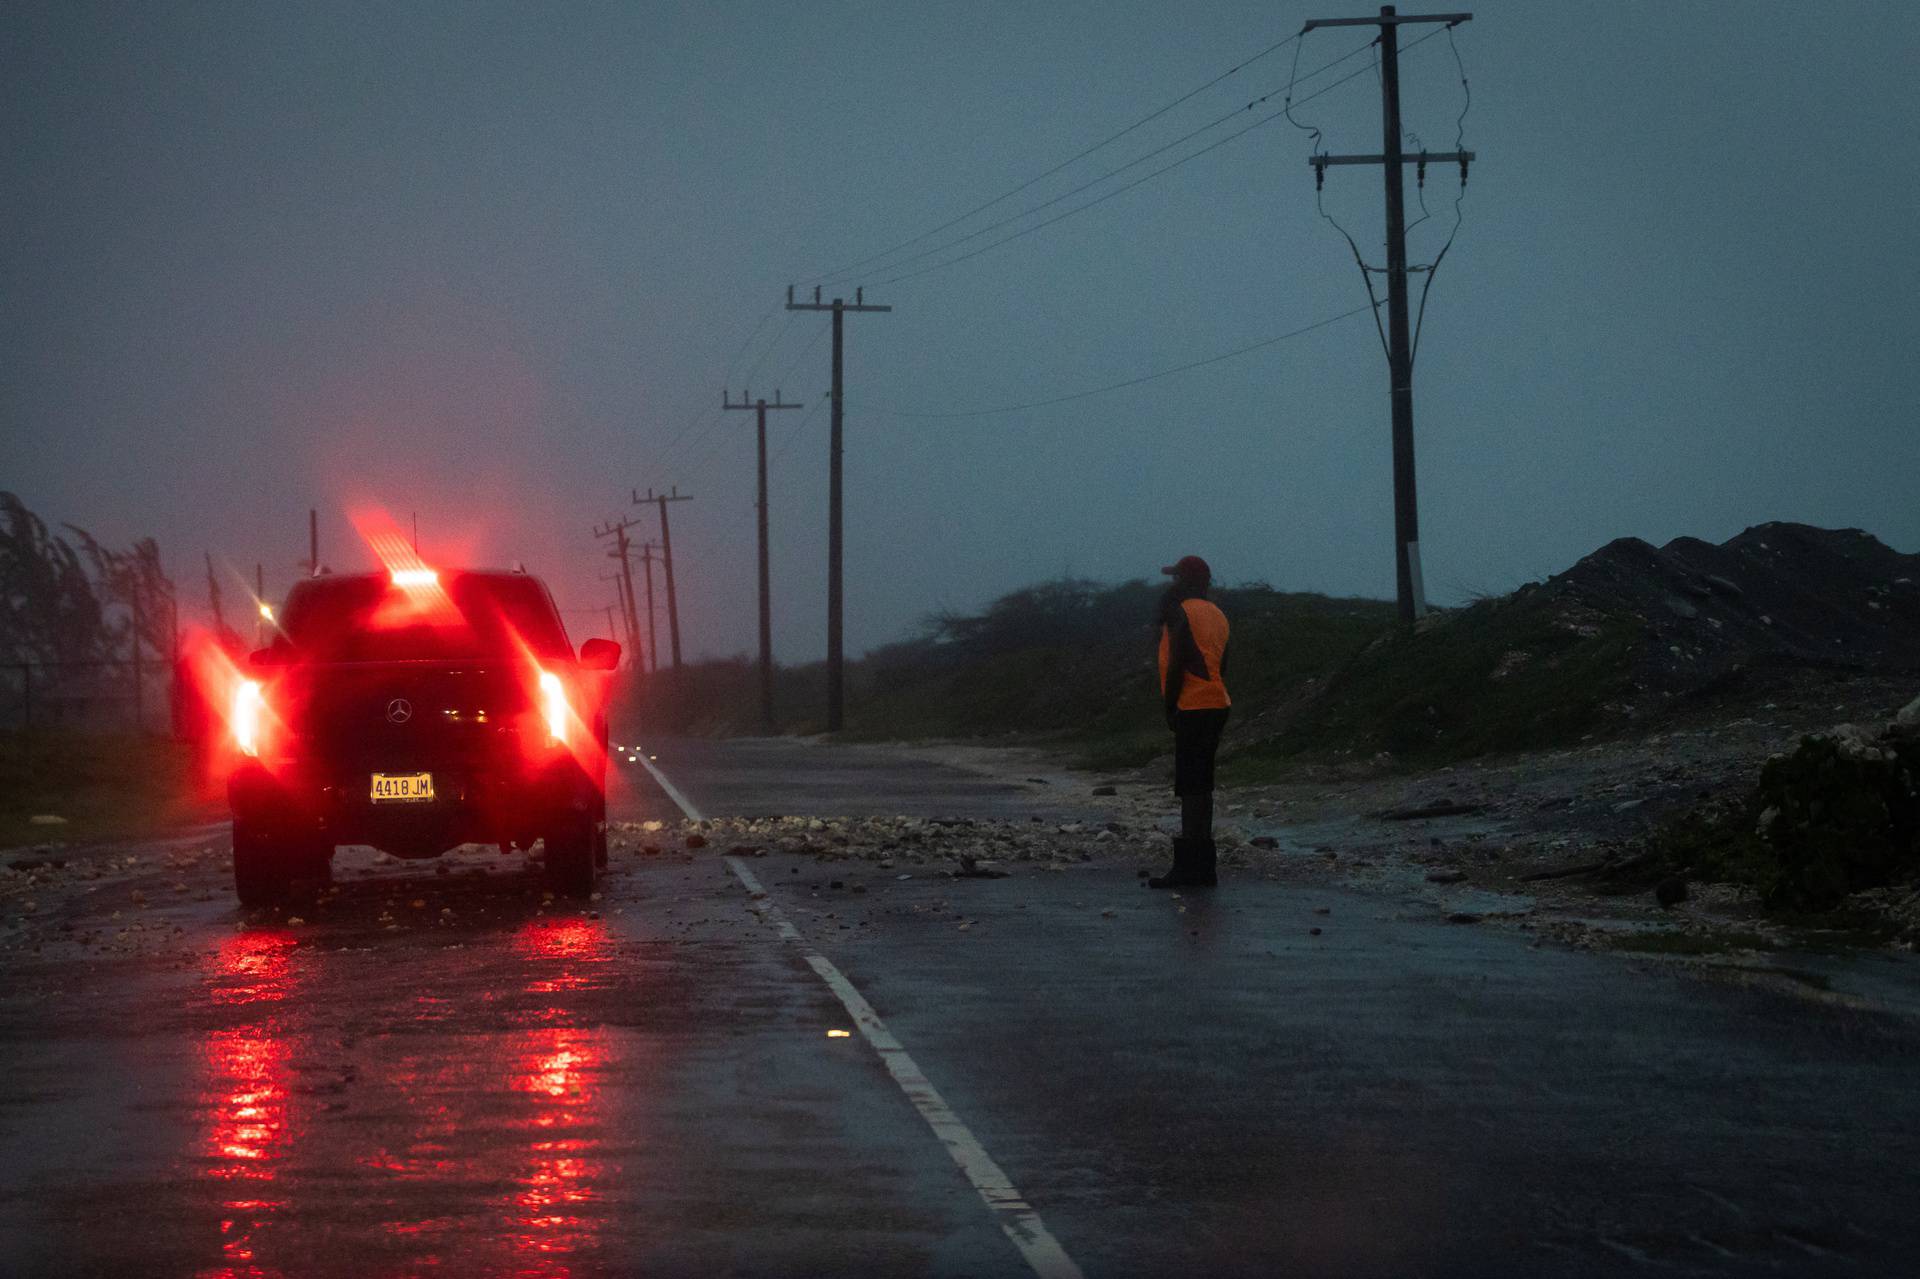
[[1190, 568]]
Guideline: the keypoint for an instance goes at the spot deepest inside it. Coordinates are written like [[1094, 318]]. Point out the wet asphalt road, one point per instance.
[[484, 1083]]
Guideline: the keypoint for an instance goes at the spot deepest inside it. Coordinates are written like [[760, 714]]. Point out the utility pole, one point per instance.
[[647, 558], [313, 542], [836, 654], [619, 593], [261, 609], [213, 596], [619, 531], [760, 407], [666, 554], [1406, 508]]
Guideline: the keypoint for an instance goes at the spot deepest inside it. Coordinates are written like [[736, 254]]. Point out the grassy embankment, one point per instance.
[[1070, 664], [106, 786]]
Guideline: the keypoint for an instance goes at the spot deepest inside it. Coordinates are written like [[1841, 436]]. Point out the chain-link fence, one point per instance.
[[91, 696]]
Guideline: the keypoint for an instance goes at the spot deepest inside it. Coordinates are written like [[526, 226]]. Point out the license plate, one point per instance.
[[402, 788]]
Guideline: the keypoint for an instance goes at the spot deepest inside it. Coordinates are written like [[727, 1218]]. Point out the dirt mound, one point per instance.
[[1776, 595], [1626, 636]]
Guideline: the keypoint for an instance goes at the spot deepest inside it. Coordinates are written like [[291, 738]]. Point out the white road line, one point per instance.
[[1009, 1207], [1017, 1218], [673, 792]]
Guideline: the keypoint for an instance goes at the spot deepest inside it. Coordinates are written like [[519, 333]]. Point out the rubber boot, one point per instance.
[[1196, 816], [1177, 877], [1202, 866]]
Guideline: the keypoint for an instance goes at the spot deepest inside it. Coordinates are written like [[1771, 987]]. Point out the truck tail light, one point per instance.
[[246, 716], [553, 705]]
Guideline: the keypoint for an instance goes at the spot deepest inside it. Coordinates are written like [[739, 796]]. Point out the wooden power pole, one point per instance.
[[1406, 507], [648, 554], [836, 655], [760, 407], [666, 558], [621, 547], [634, 656]]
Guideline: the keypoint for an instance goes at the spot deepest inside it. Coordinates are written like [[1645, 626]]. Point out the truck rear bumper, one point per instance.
[[470, 805]]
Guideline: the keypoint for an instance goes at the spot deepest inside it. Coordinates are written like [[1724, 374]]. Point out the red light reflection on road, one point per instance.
[[558, 1069], [549, 1216], [488, 1144], [248, 1081], [253, 967], [578, 944]]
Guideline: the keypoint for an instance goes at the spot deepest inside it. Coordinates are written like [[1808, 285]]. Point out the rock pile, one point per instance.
[[1841, 813], [1777, 594], [978, 844]]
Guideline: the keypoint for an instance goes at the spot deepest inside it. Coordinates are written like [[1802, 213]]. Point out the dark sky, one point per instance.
[[493, 263]]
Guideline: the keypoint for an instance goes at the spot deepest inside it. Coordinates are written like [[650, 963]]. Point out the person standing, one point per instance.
[[1193, 690]]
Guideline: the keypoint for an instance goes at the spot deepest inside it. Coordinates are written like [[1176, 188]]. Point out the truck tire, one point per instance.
[[571, 864]]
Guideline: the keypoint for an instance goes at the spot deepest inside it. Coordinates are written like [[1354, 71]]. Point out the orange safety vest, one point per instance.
[[1208, 625]]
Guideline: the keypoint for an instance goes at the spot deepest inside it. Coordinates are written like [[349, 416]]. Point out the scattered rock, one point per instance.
[[46, 819], [1670, 891], [696, 840], [1463, 917], [1105, 790], [1313, 932], [1445, 876], [1430, 810], [1264, 841]]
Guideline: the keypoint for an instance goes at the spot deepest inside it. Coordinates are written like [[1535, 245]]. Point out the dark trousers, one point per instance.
[[1196, 740]]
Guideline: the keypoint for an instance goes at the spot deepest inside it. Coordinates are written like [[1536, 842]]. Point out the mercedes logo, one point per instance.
[[399, 711]]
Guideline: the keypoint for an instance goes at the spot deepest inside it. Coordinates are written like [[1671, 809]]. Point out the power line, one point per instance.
[[701, 423], [1134, 381], [720, 438], [761, 323], [1121, 190], [1143, 120], [1191, 134], [799, 429], [1459, 137]]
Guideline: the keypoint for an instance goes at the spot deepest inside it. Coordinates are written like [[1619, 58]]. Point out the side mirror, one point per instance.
[[599, 655]]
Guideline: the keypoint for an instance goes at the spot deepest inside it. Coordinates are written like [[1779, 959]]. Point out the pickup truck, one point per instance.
[[416, 710]]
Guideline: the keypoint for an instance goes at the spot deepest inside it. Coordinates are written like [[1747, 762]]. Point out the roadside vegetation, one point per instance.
[[1627, 641], [1071, 664], [100, 785]]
